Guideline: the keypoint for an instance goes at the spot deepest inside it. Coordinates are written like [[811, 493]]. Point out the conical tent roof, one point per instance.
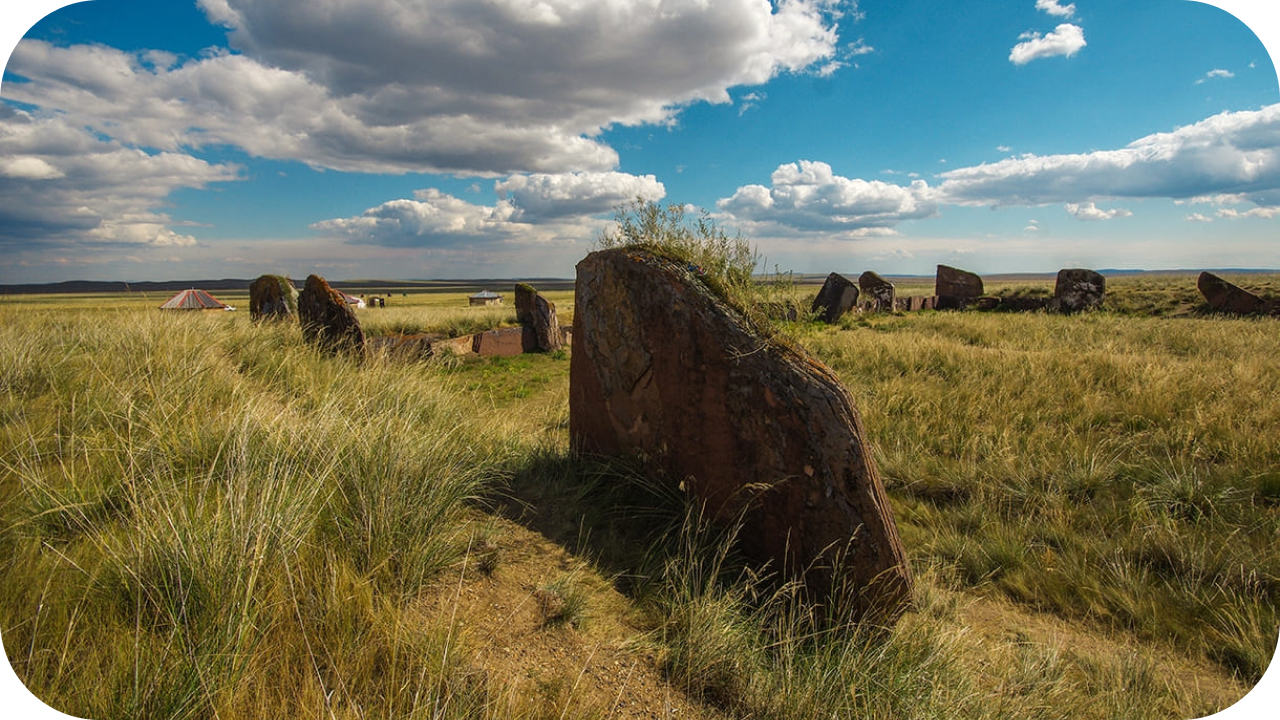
[[193, 300]]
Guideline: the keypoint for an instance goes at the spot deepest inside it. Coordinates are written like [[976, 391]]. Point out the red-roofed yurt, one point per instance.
[[194, 300]]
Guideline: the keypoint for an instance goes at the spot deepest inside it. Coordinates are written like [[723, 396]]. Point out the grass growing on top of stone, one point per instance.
[[725, 264]]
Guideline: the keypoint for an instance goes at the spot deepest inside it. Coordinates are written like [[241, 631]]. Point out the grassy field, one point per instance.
[[204, 518]]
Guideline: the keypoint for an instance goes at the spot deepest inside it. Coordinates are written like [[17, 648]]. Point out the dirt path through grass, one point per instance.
[[586, 658]]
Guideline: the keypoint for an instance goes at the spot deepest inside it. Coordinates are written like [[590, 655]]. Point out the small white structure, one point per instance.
[[484, 297]]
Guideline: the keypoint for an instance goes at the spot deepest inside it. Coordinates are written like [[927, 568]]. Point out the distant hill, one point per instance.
[[94, 287]]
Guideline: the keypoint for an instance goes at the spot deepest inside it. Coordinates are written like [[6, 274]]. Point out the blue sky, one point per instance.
[[161, 139]]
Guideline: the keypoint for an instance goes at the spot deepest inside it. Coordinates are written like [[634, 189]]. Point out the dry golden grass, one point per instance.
[[201, 517]]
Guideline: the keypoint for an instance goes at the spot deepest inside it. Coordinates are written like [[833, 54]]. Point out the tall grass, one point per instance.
[[193, 508], [203, 518], [1113, 468]]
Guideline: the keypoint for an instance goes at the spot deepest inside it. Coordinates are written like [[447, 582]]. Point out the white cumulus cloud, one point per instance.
[[535, 208], [1065, 40], [808, 196], [485, 88], [545, 196], [62, 185], [432, 217], [1053, 7]]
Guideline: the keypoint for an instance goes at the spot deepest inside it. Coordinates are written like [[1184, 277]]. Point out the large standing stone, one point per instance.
[[536, 312], [328, 322], [525, 293], [1222, 296], [272, 297], [837, 296], [956, 288], [878, 290], [1078, 289], [662, 368]]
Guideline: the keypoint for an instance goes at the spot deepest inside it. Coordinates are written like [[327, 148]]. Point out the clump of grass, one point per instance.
[[563, 601]]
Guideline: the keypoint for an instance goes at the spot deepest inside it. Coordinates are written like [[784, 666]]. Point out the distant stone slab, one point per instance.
[[663, 369], [536, 312], [956, 288], [878, 290], [464, 345], [505, 342], [837, 297], [1077, 290], [327, 321], [525, 293], [272, 297], [1225, 297]]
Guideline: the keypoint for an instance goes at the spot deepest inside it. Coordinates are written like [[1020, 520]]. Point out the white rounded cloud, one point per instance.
[[1066, 39], [545, 196], [809, 196], [531, 208]]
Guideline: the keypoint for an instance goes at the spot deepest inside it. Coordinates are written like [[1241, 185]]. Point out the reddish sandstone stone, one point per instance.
[[327, 321], [663, 369]]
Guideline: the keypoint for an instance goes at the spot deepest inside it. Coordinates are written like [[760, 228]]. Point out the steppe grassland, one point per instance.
[[204, 517]]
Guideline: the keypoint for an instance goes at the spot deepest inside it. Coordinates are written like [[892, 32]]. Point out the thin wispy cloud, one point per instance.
[[1213, 74]]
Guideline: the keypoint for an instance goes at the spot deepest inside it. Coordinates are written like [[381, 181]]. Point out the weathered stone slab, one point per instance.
[[901, 304], [506, 342], [1225, 297], [957, 286], [272, 297], [535, 311], [327, 321], [915, 303], [837, 296], [758, 431], [878, 290], [464, 345], [525, 293], [1077, 290], [546, 328]]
